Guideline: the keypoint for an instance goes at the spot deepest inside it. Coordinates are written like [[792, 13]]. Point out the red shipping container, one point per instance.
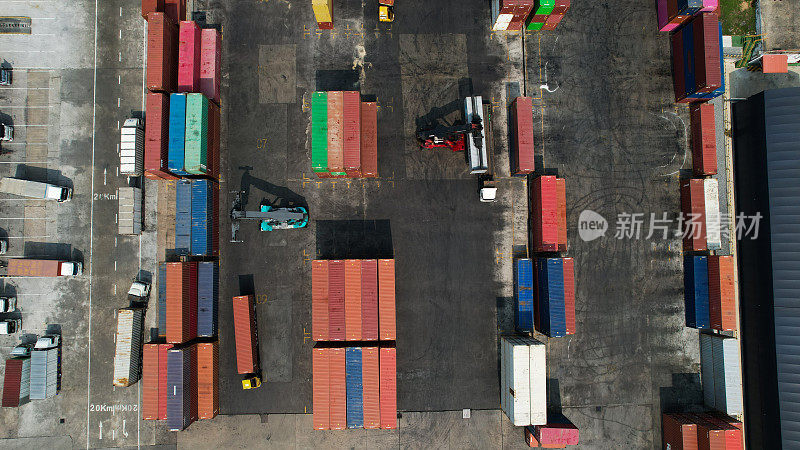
[[708, 75], [149, 6], [319, 300], [162, 380], [12, 382], [188, 56], [246, 334], [704, 139], [544, 214], [325, 25], [352, 299], [556, 435], [388, 389], [552, 21], [561, 186], [709, 435], [721, 294], [335, 132], [370, 381], [156, 137], [678, 81], [733, 433], [336, 308], [150, 382], [369, 299], [522, 109], [387, 313], [678, 432], [338, 387], [181, 302], [175, 9], [207, 380], [351, 133], [530, 439], [515, 25], [210, 63], [162, 52], [369, 140], [320, 363], [694, 214], [539, 18], [569, 294], [561, 7]]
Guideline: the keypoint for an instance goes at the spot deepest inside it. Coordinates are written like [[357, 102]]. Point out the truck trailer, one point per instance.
[[131, 148], [34, 189], [246, 334], [23, 267], [129, 340]]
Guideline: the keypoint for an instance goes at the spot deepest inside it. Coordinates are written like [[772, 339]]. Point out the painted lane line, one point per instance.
[[120, 56], [119, 79], [120, 33], [115, 266], [91, 238], [118, 102]]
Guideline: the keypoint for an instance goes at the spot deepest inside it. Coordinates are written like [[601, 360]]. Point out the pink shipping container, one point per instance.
[[321, 388], [351, 133], [369, 299], [523, 136], [336, 324], [544, 214], [188, 57], [162, 52], [210, 63], [556, 434], [369, 139], [388, 388], [338, 389]]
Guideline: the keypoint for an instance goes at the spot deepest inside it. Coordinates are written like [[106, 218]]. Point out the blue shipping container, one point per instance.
[[202, 208], [695, 286], [183, 217], [207, 298], [355, 389], [552, 314], [162, 299], [689, 7], [179, 372], [523, 295], [177, 133]]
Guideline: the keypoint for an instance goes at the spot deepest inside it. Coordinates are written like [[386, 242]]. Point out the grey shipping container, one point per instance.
[[44, 373], [128, 354], [180, 369], [207, 298], [129, 214], [707, 369], [725, 374], [162, 299]]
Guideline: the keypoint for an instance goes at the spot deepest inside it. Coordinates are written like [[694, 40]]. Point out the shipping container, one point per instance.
[[711, 204], [156, 137], [181, 386], [387, 314], [696, 53], [196, 146], [707, 369], [162, 52], [336, 301], [369, 139], [183, 217], [338, 388], [694, 214], [551, 310], [163, 358], [177, 133], [678, 432], [370, 378], [695, 276], [721, 293], [188, 56], [544, 214], [319, 133], [727, 375], [319, 300], [352, 299], [181, 301], [351, 133], [732, 429], [530, 439], [129, 210], [709, 435], [522, 146], [17, 382], [336, 133], [569, 294], [323, 12], [369, 300], [150, 382], [561, 193], [558, 432], [202, 217], [207, 298], [207, 380], [246, 334], [24, 267], [523, 380], [128, 343], [388, 387], [321, 388], [149, 6], [162, 299], [355, 388], [45, 369], [210, 63], [131, 148], [704, 139], [707, 40], [175, 9], [523, 293]]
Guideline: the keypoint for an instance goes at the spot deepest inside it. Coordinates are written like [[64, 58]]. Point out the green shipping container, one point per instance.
[[196, 153], [543, 7], [535, 26], [319, 132]]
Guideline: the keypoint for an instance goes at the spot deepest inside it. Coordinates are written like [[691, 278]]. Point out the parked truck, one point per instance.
[[23, 267], [131, 148], [129, 217], [34, 189], [45, 365], [17, 381], [129, 340], [246, 334]]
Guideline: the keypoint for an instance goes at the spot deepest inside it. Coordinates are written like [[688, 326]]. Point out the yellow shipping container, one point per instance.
[[323, 10]]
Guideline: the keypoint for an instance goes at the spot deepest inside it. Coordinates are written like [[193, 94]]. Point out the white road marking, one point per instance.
[[101, 432], [118, 172], [28, 107], [118, 102], [116, 218], [119, 79], [118, 124], [120, 33], [115, 266], [91, 237], [120, 56], [105, 171], [115, 244], [124, 433], [115, 289]]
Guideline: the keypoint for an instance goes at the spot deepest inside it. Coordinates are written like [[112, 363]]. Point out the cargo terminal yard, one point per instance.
[[249, 357]]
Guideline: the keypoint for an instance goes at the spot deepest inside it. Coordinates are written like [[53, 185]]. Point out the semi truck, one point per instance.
[[34, 189], [23, 267], [129, 341], [131, 148], [246, 335]]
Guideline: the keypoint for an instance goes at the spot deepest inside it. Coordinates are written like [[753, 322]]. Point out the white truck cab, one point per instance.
[[47, 341], [10, 326], [139, 289], [8, 304], [71, 268]]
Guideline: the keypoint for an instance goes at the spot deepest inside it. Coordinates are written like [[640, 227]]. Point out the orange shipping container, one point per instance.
[[352, 299], [335, 133], [386, 300], [351, 133], [246, 334], [370, 380], [181, 301], [150, 382], [709, 435], [693, 206], [319, 300], [733, 432], [678, 432], [338, 389], [388, 369], [369, 140], [561, 191], [321, 388], [207, 380], [722, 302]]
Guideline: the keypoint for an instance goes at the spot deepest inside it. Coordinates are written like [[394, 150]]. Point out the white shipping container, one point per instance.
[[25, 380], [44, 374], [727, 376], [711, 195], [523, 380], [132, 138], [707, 369], [128, 354]]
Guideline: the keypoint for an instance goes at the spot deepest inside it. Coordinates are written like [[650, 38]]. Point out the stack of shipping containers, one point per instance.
[[674, 13], [547, 14], [344, 135], [523, 380], [17, 381], [701, 430], [354, 387], [533, 15], [697, 59]]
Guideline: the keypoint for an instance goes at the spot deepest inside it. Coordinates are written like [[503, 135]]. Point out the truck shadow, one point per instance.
[[43, 175], [277, 196], [338, 80]]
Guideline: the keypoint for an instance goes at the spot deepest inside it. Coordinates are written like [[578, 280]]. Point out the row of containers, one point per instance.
[[533, 15], [197, 218], [36, 376], [183, 106], [544, 290], [523, 394], [354, 387], [697, 69], [709, 292], [353, 300], [693, 431], [344, 135]]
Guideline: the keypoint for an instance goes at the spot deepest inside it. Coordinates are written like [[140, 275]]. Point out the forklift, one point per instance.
[[271, 218], [471, 137], [386, 10], [253, 382]]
